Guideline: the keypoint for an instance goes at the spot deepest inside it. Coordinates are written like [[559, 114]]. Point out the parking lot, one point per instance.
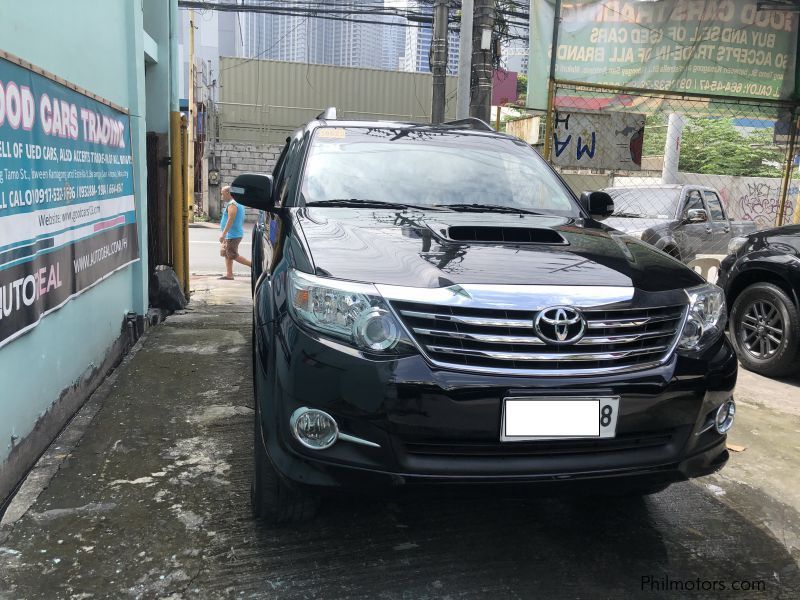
[[146, 494]]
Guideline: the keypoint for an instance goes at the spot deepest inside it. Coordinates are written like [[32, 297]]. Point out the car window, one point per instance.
[[714, 206], [430, 167], [693, 200], [645, 202]]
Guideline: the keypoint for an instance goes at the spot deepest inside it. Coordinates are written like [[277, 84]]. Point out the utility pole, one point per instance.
[[464, 59], [191, 121], [439, 59], [480, 105]]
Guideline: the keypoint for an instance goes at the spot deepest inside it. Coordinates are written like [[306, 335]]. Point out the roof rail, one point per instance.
[[472, 123], [329, 114]]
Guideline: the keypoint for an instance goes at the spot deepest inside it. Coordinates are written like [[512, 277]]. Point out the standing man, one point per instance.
[[232, 225]]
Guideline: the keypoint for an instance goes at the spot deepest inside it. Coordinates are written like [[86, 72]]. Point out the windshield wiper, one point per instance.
[[487, 208], [359, 203]]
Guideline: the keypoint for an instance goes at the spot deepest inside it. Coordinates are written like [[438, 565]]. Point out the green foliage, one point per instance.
[[522, 84], [714, 146]]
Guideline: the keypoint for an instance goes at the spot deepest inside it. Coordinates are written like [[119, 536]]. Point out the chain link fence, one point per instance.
[[687, 173]]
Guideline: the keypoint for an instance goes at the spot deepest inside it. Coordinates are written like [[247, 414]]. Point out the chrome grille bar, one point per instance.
[[613, 323], [502, 339], [465, 320], [559, 356], [482, 337]]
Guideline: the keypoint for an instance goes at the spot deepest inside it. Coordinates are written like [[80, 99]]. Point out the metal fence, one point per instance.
[[687, 173]]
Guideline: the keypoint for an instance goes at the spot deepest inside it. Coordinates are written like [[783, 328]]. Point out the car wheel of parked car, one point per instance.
[[271, 499], [765, 330]]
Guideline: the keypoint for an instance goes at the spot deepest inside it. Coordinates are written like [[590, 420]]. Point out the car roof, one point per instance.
[[451, 127]]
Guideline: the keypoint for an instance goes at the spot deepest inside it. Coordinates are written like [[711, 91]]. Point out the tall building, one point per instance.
[[216, 34], [418, 43], [304, 39], [393, 43], [515, 56]]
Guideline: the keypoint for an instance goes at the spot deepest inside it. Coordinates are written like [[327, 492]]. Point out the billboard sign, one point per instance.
[[67, 211], [598, 140], [719, 48]]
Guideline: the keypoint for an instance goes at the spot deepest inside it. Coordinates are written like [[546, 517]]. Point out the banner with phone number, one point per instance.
[[67, 210], [714, 48]]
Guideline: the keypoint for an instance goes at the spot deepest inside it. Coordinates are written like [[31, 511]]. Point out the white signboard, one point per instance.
[[594, 140]]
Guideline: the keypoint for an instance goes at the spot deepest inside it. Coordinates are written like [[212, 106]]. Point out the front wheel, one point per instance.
[[765, 330], [271, 499]]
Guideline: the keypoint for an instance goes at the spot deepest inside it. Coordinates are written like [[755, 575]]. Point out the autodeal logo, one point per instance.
[[25, 291]]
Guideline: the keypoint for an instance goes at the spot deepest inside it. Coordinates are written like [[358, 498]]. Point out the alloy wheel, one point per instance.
[[761, 329]]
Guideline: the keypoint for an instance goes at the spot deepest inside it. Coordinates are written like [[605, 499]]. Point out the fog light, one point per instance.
[[725, 415], [314, 428]]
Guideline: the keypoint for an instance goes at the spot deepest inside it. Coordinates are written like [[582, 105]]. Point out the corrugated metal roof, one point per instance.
[[264, 100]]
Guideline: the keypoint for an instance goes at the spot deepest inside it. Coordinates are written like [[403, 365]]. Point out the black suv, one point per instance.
[[434, 305], [761, 279]]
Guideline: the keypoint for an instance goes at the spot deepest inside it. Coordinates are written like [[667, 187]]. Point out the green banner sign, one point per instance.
[[709, 47]]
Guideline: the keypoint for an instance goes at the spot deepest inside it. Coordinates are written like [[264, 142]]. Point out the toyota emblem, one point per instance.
[[560, 325]]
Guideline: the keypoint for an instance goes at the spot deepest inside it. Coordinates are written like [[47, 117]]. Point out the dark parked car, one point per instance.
[[681, 220], [761, 279], [434, 306]]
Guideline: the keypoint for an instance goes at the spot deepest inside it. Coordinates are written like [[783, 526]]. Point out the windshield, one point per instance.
[[654, 203], [428, 168]]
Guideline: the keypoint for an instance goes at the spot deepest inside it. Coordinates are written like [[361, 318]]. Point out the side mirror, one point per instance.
[[696, 215], [599, 205], [253, 190]]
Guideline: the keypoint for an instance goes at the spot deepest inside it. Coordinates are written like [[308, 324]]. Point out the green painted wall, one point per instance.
[[98, 45]]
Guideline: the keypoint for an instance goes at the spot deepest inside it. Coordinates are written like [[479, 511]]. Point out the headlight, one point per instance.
[[735, 244], [706, 320], [352, 312]]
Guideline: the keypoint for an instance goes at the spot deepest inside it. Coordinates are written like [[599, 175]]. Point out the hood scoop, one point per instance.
[[501, 235]]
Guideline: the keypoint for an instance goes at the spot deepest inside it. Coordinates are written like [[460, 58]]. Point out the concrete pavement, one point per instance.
[[145, 495]]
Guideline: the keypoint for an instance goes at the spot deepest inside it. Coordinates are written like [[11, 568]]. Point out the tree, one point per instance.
[[714, 146], [522, 85]]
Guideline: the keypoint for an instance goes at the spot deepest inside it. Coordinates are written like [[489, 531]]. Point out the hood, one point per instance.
[[634, 224], [412, 248]]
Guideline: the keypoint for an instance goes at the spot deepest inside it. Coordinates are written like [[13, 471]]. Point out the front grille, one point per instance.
[[478, 338], [626, 442]]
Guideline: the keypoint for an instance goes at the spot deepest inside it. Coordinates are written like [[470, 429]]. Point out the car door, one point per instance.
[[696, 236], [720, 227]]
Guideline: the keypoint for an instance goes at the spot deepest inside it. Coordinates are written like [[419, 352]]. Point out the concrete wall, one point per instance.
[[234, 158], [47, 373]]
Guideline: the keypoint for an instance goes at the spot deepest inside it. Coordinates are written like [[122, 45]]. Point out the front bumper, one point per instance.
[[438, 426]]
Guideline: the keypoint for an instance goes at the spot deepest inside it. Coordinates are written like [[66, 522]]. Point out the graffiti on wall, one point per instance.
[[759, 202], [595, 140], [749, 198]]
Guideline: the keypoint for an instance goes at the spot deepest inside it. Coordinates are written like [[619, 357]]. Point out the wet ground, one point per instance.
[[146, 495]]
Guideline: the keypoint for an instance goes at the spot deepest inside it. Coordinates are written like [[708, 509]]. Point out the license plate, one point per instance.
[[559, 418]]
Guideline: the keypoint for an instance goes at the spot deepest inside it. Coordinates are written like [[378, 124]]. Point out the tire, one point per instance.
[[765, 330], [271, 499], [673, 252]]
